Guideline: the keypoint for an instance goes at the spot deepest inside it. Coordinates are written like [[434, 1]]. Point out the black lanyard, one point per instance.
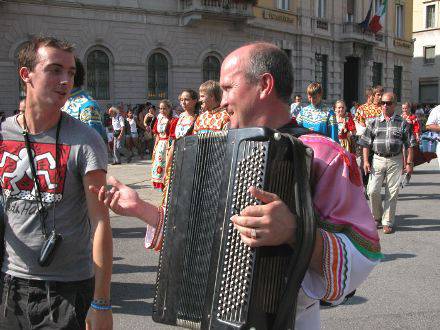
[[42, 211]]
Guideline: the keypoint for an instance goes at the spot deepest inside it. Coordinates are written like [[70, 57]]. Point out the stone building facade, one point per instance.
[[148, 50], [426, 61]]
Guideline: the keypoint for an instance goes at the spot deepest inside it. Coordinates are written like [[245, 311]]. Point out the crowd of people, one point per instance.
[[56, 267]]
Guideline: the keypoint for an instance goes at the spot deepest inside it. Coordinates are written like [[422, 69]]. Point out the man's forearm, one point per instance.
[[147, 212], [433, 128], [102, 259], [365, 153], [410, 155]]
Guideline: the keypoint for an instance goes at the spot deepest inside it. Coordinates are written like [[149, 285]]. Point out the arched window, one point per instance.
[[98, 75], [211, 68], [157, 77]]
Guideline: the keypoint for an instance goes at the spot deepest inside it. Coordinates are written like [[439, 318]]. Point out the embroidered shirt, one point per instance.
[[367, 111], [212, 121], [320, 119], [82, 106]]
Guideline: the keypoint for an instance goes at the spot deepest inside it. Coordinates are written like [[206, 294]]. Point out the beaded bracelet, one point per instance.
[[100, 308]]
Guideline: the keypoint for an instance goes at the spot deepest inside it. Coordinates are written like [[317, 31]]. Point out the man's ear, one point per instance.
[[24, 73], [267, 84]]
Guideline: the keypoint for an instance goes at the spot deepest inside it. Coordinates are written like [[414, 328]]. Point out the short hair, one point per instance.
[[407, 103], [212, 87], [393, 96], [268, 58], [378, 89], [78, 80], [342, 102], [314, 88], [27, 56], [297, 95]]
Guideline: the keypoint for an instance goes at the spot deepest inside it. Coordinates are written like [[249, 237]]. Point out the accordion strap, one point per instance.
[[306, 232]]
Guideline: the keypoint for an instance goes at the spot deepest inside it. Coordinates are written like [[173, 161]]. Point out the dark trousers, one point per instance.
[[32, 304]]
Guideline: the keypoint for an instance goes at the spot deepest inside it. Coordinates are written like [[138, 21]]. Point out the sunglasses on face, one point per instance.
[[387, 103]]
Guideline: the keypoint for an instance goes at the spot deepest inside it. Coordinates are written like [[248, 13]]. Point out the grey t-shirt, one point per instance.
[[81, 150]]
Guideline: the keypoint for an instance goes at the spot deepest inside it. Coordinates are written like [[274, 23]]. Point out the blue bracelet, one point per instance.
[[100, 308]]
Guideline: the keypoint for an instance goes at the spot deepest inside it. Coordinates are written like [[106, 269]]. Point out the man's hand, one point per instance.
[[270, 224], [99, 320], [367, 167], [409, 169], [120, 199]]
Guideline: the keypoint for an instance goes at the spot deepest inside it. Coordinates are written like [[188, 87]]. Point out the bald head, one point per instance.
[[259, 58]]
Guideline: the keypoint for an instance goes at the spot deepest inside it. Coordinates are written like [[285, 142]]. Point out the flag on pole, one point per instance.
[[376, 22], [366, 21]]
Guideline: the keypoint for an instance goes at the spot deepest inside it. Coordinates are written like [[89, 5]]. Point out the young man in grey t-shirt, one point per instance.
[[47, 161]]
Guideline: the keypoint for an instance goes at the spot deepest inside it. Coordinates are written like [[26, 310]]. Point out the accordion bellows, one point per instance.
[[207, 277]]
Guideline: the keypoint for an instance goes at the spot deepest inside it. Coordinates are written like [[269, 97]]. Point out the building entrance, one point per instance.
[[351, 80]]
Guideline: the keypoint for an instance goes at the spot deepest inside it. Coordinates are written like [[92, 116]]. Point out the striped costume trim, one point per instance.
[[335, 266], [367, 247]]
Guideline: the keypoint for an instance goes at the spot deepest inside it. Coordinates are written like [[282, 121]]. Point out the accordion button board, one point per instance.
[[207, 277]]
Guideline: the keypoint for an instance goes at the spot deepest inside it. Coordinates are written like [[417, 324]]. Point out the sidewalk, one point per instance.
[[401, 293]]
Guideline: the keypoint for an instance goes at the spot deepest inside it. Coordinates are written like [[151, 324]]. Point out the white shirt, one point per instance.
[[434, 116], [313, 287], [117, 122], [132, 122]]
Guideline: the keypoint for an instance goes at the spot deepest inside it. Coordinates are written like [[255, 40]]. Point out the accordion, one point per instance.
[[207, 277]]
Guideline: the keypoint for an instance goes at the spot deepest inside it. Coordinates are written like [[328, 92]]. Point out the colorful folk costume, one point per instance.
[[162, 131], [82, 106], [366, 112], [347, 132], [319, 118], [351, 246], [178, 128], [212, 121]]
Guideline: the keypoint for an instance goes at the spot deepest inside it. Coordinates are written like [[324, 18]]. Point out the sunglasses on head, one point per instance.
[[388, 103]]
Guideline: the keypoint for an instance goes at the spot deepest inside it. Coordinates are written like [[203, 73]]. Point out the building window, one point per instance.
[[429, 54], [350, 10], [157, 77], [211, 68], [428, 91], [430, 16], [321, 8], [283, 4], [398, 82], [321, 72], [98, 75], [377, 74], [399, 21]]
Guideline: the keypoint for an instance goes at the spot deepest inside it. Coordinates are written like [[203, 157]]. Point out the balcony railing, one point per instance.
[[236, 7], [352, 31]]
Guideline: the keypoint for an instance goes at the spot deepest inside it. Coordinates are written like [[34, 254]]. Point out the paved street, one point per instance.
[[401, 293]]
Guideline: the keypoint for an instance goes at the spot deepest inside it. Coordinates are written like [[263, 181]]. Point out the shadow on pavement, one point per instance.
[[423, 172], [394, 256], [129, 298], [356, 300], [126, 269], [411, 222], [136, 232], [409, 197], [423, 184]]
